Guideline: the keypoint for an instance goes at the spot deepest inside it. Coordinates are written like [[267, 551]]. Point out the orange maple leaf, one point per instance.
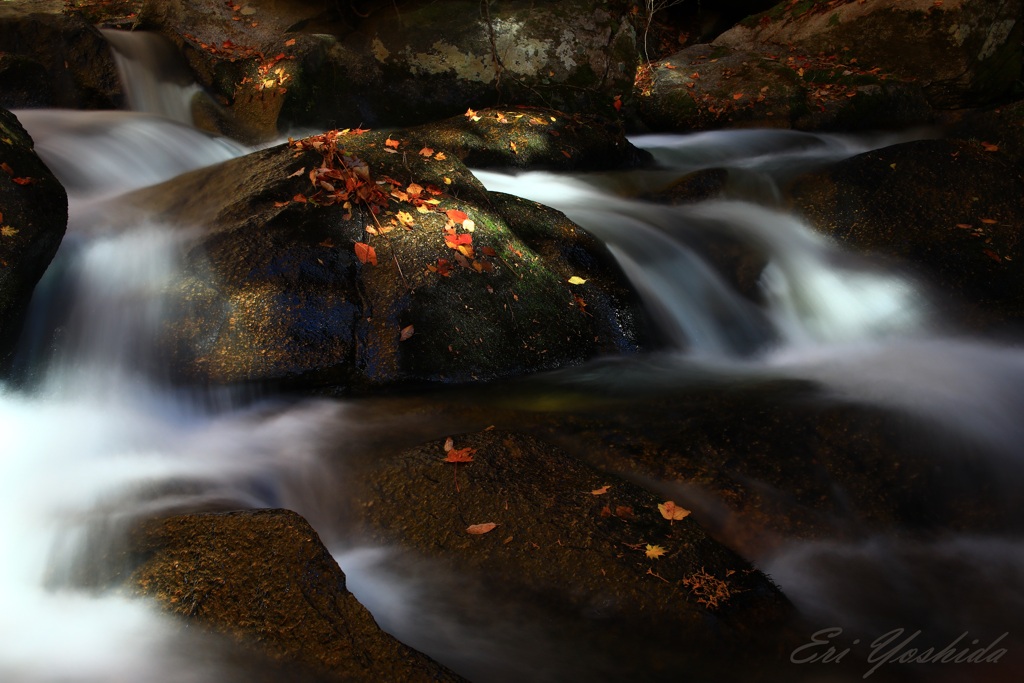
[[365, 253]]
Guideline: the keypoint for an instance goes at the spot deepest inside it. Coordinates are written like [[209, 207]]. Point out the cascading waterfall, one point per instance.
[[862, 330]]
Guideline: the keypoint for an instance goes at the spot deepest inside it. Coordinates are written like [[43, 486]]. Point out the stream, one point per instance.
[[93, 437]]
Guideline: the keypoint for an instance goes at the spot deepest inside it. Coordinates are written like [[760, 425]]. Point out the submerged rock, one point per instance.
[[33, 218], [264, 578], [415, 276]]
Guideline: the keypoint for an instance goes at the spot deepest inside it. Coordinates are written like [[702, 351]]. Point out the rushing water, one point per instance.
[[92, 439]]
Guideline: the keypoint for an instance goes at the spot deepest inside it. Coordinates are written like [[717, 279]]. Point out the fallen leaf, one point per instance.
[[468, 225], [988, 221], [278, 205], [989, 147], [407, 332], [449, 444], [405, 218], [601, 491], [964, 226], [6, 169], [289, 42], [301, 171], [24, 181], [992, 255], [576, 280], [512, 145], [488, 251], [414, 190], [617, 103], [365, 253], [738, 96], [440, 156], [391, 143], [455, 215], [481, 528], [300, 198], [426, 152], [671, 511], [8, 231], [654, 551], [460, 455], [624, 511]]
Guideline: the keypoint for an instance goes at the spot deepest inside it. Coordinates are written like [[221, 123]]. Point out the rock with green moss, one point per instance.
[[265, 579], [950, 209], [961, 53], [304, 65], [710, 86], [33, 218], [52, 57], [281, 285]]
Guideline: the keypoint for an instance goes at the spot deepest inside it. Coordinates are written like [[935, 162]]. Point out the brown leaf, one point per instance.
[[365, 253], [391, 143], [407, 332], [301, 171], [601, 491], [426, 152], [481, 528], [289, 42], [671, 511], [989, 147], [449, 444]]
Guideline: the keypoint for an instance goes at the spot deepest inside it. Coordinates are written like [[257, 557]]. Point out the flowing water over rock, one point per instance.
[[95, 438]]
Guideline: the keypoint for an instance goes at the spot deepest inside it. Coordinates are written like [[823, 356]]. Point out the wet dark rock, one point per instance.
[[535, 138], [712, 86], [961, 53], [54, 58], [400, 64], [949, 208], [1001, 127], [765, 461], [274, 290], [573, 544], [264, 578], [34, 210]]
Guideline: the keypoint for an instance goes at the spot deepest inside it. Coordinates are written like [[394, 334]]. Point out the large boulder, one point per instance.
[[949, 208], [628, 589], [53, 57], [962, 52], [265, 579], [293, 64], [712, 86], [33, 218], [412, 273]]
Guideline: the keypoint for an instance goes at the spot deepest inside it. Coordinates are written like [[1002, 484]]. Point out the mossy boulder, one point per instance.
[[949, 209], [264, 578], [580, 550], [53, 57], [300, 65], [962, 53], [33, 218], [278, 286], [709, 87]]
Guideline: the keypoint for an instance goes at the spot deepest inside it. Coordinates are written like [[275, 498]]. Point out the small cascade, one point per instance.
[[153, 74]]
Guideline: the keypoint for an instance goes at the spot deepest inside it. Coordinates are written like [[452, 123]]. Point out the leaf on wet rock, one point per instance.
[[455, 215], [365, 253], [601, 491], [576, 280], [671, 511], [654, 551], [460, 455], [478, 529], [407, 332]]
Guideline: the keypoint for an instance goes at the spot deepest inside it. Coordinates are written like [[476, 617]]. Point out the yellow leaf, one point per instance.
[[480, 528], [671, 511], [654, 551], [405, 218], [8, 231], [447, 180], [576, 280]]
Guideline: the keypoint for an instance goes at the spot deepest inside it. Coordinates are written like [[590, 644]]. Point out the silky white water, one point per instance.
[[93, 438]]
